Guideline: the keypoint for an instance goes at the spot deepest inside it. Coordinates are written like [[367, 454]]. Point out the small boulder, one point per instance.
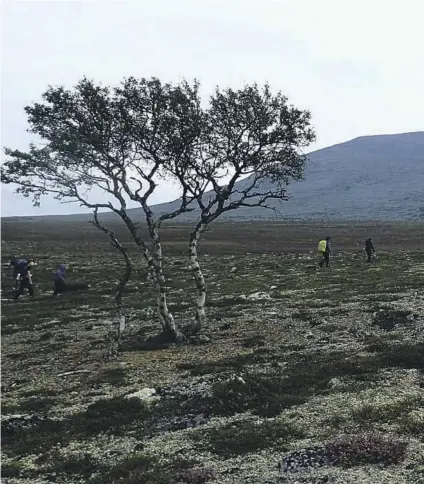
[[200, 339], [334, 383], [317, 321], [259, 296], [145, 395]]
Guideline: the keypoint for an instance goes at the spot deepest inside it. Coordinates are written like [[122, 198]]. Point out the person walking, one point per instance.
[[24, 278], [59, 280], [369, 249], [17, 264], [326, 252]]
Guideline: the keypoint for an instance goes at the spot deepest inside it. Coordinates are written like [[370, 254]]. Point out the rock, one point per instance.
[[11, 423], [203, 338], [238, 378], [334, 383], [145, 395], [309, 335], [259, 296], [190, 421], [74, 372], [253, 340], [317, 321], [272, 288], [225, 327], [233, 269], [200, 339], [304, 459]]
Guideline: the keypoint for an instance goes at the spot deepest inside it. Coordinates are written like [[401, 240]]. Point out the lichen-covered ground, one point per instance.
[[300, 362]]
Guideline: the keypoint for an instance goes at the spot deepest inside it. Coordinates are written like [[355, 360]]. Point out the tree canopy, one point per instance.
[[240, 150]]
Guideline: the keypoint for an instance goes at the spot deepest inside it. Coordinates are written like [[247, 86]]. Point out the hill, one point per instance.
[[367, 178]]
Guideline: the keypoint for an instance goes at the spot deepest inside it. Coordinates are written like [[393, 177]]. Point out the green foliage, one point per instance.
[[79, 464], [146, 469], [249, 437], [388, 413], [112, 376], [197, 475], [112, 414], [95, 135], [353, 450], [388, 318]]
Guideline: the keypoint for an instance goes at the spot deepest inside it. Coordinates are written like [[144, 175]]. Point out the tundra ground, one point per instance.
[[298, 361]]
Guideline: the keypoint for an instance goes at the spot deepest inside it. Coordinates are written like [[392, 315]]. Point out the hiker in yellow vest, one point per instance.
[[324, 248]]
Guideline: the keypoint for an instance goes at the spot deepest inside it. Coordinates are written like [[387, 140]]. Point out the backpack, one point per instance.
[[322, 246]]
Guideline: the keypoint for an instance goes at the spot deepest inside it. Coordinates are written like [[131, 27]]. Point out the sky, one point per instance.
[[357, 66]]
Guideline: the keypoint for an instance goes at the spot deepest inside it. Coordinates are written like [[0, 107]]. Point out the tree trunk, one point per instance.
[[170, 330], [198, 276], [161, 305], [119, 324], [165, 315]]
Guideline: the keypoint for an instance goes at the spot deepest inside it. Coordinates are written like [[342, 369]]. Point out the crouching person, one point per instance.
[[61, 285]]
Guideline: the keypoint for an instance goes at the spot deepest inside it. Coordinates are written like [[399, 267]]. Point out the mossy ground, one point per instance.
[[308, 364]]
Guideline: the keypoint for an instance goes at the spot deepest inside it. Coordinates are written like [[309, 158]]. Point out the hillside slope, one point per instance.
[[372, 177], [367, 178]]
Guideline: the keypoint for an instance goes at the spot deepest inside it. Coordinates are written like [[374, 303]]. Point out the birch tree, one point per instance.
[[117, 141], [119, 319], [249, 149]]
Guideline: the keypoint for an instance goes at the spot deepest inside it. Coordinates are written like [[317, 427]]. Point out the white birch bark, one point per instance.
[[163, 310], [161, 307], [198, 275], [118, 325], [165, 316]]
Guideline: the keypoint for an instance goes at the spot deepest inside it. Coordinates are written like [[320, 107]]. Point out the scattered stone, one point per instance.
[[200, 339], [13, 422], [305, 459], [259, 296], [272, 288], [255, 340], [238, 378], [310, 335], [387, 319], [173, 424], [145, 395], [334, 383], [225, 327], [317, 321], [233, 269], [73, 372]]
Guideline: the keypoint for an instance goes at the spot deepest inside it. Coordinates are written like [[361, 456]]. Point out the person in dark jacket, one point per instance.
[[61, 285], [17, 264], [24, 278], [59, 280], [327, 253], [369, 248]]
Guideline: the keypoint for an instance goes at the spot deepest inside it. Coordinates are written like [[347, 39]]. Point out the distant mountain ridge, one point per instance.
[[368, 178]]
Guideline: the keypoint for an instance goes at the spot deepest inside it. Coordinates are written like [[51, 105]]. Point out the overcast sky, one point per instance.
[[357, 66]]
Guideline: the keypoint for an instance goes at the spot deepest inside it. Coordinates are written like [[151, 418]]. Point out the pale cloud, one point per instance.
[[356, 65]]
